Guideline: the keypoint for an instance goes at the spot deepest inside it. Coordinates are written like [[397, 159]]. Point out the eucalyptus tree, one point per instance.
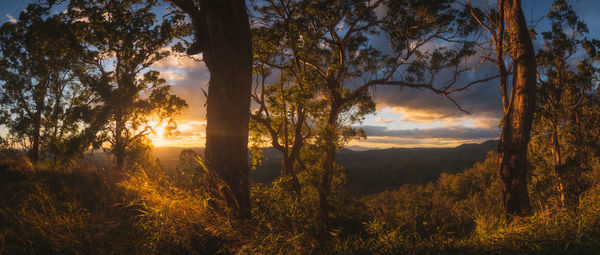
[[40, 93], [518, 119], [333, 41], [567, 104], [507, 22], [286, 104], [222, 34], [126, 39]]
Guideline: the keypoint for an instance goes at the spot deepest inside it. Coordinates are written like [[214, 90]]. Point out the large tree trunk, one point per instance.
[[228, 56], [518, 119]]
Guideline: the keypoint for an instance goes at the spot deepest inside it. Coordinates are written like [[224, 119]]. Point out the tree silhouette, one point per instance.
[[40, 96], [127, 41]]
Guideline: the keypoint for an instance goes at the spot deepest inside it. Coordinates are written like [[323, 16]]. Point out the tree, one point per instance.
[[40, 94], [519, 116], [332, 42], [128, 40], [286, 106], [508, 22], [562, 128], [222, 34]]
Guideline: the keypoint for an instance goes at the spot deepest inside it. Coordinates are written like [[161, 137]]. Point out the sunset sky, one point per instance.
[[404, 118]]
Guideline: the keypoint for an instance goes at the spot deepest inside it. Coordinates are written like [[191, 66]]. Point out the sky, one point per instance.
[[404, 117]]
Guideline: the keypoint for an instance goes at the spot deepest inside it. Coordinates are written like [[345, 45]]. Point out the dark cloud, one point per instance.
[[481, 100]]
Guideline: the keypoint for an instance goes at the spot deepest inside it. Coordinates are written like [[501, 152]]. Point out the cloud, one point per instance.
[[188, 78], [482, 101], [391, 142], [172, 76], [379, 119], [448, 132], [379, 137], [11, 19]]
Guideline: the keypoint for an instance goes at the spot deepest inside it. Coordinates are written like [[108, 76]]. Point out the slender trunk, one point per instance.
[[518, 119], [288, 159], [54, 140], [558, 163], [329, 139], [288, 172], [500, 58], [119, 149], [228, 56], [34, 152], [296, 146]]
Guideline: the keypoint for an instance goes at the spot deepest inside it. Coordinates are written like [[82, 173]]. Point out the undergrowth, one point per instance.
[[84, 208]]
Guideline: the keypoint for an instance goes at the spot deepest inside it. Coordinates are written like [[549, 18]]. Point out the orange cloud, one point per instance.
[[379, 119], [424, 116]]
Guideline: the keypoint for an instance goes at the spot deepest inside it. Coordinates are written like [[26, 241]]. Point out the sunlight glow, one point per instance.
[[188, 134]]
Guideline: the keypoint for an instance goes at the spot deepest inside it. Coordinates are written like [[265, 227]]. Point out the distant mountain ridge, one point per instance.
[[372, 171]]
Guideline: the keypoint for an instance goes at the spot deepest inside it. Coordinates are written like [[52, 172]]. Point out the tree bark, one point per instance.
[[228, 56], [287, 164], [34, 152], [119, 143], [327, 162], [222, 33], [518, 119]]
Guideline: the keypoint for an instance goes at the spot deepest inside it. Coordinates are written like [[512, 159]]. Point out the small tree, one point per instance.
[[563, 135], [287, 108], [40, 93], [127, 41]]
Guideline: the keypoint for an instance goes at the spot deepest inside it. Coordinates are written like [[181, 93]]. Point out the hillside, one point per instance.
[[373, 170]]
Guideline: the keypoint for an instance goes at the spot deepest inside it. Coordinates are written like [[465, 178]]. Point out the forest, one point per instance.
[[82, 102]]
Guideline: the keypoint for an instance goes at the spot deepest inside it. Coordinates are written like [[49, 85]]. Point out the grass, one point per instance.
[[83, 208]]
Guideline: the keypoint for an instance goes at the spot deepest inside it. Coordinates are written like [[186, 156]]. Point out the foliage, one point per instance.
[[126, 40], [564, 142], [310, 60], [41, 95]]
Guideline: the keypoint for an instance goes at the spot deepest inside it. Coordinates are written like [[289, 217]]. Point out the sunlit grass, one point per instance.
[[80, 209]]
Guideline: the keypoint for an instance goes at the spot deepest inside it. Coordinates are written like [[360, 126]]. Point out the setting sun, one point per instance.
[[187, 134]]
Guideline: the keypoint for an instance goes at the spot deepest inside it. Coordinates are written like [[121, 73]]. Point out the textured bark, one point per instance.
[[519, 116], [223, 34]]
